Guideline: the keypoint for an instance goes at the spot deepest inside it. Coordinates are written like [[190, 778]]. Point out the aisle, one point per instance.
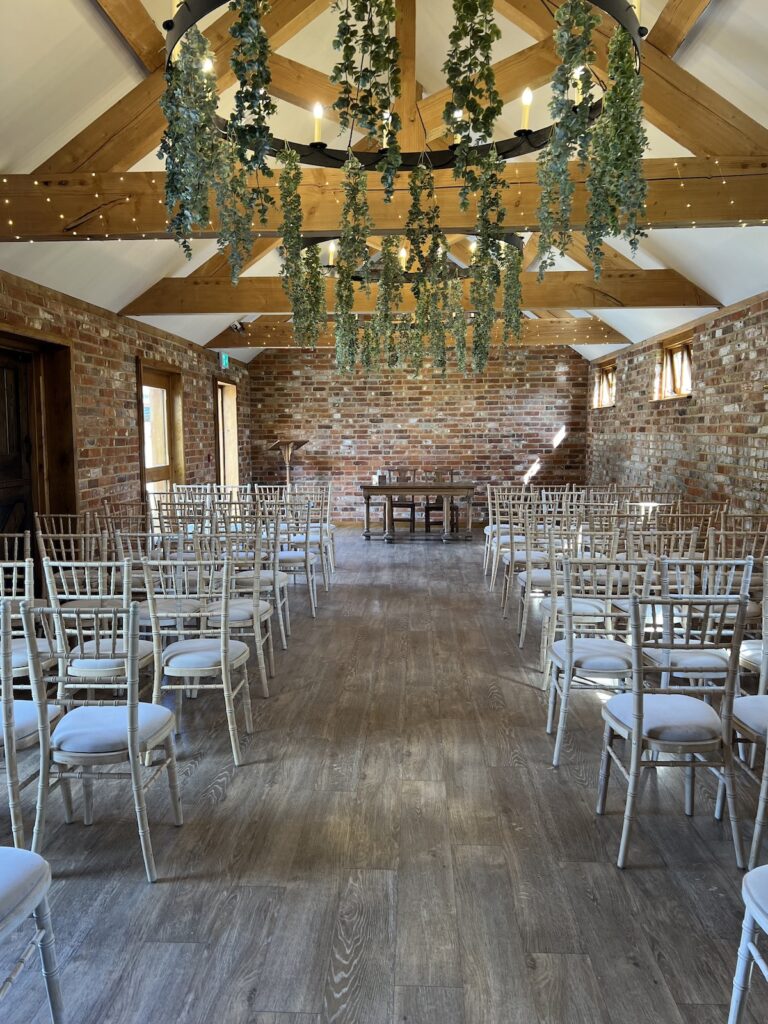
[[397, 847]]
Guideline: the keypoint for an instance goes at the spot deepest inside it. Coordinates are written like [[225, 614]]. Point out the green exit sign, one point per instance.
[[224, 360]]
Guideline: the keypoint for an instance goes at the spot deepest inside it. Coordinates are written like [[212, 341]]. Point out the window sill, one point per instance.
[[673, 398], [600, 408]]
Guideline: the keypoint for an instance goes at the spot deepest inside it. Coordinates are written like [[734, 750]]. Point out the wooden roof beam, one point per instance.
[[674, 23], [131, 21]]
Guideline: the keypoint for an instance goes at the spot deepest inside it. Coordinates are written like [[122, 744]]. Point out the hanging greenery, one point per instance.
[[410, 340], [235, 200], [388, 301], [191, 142], [301, 271], [511, 315], [616, 184], [368, 75], [457, 322], [353, 260], [485, 263], [475, 103], [571, 134], [426, 239]]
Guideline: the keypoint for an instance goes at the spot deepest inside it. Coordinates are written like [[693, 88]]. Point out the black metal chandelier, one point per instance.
[[319, 154]]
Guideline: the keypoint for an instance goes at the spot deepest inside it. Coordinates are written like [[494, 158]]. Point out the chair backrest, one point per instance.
[[15, 547], [17, 579], [69, 547], [75, 522], [90, 582], [650, 543]]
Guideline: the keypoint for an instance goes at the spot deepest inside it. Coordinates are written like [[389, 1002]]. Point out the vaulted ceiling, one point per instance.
[[80, 125]]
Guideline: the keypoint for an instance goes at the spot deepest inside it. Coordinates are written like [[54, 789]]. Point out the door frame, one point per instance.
[[176, 425], [218, 426]]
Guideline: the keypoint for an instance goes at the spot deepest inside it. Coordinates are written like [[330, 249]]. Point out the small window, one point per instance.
[[605, 387], [675, 376]]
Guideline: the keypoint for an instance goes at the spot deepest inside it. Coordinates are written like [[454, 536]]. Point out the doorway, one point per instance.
[[227, 456], [161, 437]]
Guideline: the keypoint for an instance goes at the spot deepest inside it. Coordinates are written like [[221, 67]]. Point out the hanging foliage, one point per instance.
[[301, 271], [235, 200], [353, 259], [191, 142], [571, 134], [388, 301], [511, 315], [475, 103], [254, 106], [616, 184], [426, 239], [368, 75], [457, 322], [485, 263]]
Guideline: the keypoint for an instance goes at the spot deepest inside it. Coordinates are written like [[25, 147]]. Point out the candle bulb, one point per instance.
[[317, 111], [457, 116], [331, 254], [386, 117], [403, 255], [579, 87], [527, 100]]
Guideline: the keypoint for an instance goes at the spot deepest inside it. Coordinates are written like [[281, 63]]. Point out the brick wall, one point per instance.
[[709, 445], [489, 427], [104, 348]]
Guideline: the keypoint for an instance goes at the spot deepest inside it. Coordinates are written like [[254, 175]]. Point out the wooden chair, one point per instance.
[[435, 508], [102, 731], [25, 879], [662, 717], [397, 476]]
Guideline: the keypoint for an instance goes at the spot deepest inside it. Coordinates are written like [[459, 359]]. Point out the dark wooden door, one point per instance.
[[15, 443]]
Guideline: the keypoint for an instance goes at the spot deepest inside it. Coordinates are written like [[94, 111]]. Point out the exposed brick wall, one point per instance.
[[104, 348], [490, 427], [710, 445]]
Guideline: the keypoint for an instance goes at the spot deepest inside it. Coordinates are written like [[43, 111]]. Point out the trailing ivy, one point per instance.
[[191, 142], [301, 271], [235, 205], [616, 185], [485, 264], [368, 75], [353, 260], [457, 322], [570, 127], [468, 69], [426, 239], [388, 301], [511, 316], [253, 105]]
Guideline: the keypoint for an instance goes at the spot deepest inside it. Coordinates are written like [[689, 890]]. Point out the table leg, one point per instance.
[[446, 518], [367, 522], [468, 535], [389, 521]]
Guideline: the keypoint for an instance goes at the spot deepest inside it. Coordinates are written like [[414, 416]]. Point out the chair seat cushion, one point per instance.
[[293, 557], [103, 730], [752, 712], [170, 607], [240, 610], [594, 654], [690, 660], [22, 874], [519, 557], [202, 653], [266, 578], [25, 719], [751, 654], [673, 718], [84, 657], [19, 656], [582, 606], [754, 889], [540, 578], [86, 603]]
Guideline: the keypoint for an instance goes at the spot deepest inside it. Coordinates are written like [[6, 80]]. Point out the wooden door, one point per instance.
[[15, 443]]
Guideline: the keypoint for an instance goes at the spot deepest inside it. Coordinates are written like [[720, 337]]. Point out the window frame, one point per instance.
[[672, 371], [169, 378], [605, 377]]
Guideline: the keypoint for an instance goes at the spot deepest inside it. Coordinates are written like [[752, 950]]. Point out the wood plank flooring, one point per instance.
[[397, 847]]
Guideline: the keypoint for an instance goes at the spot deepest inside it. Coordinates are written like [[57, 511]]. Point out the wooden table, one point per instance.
[[458, 490]]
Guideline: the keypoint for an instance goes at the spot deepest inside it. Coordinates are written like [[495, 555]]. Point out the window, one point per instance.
[[675, 371], [227, 462], [605, 386], [160, 418]]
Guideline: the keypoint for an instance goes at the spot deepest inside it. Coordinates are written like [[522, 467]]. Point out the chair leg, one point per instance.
[[66, 798], [259, 643], [742, 977], [270, 649], [690, 785], [629, 807], [280, 620], [43, 790], [565, 689], [720, 800], [552, 702], [757, 835], [14, 792], [229, 704], [605, 770], [287, 610], [173, 780], [524, 621], [141, 819], [730, 798], [49, 963], [312, 591], [87, 797], [247, 710]]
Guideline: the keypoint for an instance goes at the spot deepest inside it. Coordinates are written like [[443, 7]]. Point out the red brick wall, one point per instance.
[[709, 445], [104, 348], [490, 428]]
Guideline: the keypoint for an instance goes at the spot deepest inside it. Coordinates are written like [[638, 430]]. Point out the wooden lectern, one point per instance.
[[287, 448]]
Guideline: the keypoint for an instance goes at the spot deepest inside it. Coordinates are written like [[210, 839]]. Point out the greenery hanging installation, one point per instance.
[[368, 75], [353, 260], [576, 21], [616, 185], [486, 274], [383, 327]]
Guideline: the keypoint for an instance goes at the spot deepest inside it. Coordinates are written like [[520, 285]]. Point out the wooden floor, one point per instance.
[[397, 847]]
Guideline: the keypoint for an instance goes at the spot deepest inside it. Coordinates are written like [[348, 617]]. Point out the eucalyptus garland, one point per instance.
[[353, 259], [426, 239], [457, 322], [571, 134], [410, 333], [616, 184], [235, 201], [301, 271], [475, 103], [485, 264], [191, 144], [370, 348], [388, 301], [368, 75], [511, 316]]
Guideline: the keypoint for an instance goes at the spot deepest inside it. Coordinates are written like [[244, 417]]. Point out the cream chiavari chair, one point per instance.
[[192, 641], [663, 717], [65, 523], [73, 547], [272, 580], [184, 514], [510, 518], [105, 725], [296, 556], [15, 547]]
